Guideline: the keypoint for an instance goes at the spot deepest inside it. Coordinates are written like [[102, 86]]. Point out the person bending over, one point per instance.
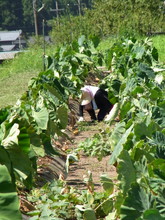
[[94, 98]]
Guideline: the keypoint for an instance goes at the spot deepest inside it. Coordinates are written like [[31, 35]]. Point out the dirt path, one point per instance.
[[79, 169]]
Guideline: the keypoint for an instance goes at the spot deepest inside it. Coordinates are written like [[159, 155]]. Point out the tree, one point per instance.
[[106, 17], [11, 14]]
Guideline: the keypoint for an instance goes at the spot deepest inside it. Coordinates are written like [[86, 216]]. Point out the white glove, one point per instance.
[[113, 113], [81, 119], [107, 117]]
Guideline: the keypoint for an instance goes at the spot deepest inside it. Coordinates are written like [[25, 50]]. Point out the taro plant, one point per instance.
[[137, 141], [72, 63], [27, 128], [58, 200], [140, 92]]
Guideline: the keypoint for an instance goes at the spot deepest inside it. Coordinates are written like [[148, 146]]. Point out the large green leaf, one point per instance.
[[125, 108], [116, 134], [158, 140], [36, 146], [46, 141], [9, 204], [113, 113], [57, 90], [141, 131], [142, 173], [82, 56], [160, 200], [24, 140], [159, 78], [155, 94], [136, 203], [21, 163], [111, 216], [5, 158], [68, 84], [89, 214], [119, 147], [143, 68], [152, 214], [139, 51], [107, 206], [95, 40], [18, 154], [107, 184], [129, 87], [62, 116], [12, 137], [157, 167], [126, 171], [137, 90], [155, 53], [3, 114], [81, 40], [41, 117]]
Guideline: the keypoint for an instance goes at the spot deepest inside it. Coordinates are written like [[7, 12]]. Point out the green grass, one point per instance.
[[23, 63], [159, 43], [15, 74]]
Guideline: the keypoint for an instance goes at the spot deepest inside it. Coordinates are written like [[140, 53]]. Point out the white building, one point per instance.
[[11, 42]]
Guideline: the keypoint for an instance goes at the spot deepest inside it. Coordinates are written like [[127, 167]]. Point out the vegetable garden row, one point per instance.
[[136, 87]]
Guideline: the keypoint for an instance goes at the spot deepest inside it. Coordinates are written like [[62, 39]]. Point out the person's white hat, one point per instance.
[[85, 98]]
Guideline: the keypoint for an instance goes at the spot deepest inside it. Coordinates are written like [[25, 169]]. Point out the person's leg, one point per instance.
[[91, 112], [101, 114], [102, 102]]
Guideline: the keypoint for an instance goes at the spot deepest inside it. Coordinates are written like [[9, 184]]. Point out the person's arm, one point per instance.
[[81, 107]]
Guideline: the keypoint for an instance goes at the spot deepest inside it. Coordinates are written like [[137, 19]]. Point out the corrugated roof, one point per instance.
[[9, 35], [7, 47], [7, 55]]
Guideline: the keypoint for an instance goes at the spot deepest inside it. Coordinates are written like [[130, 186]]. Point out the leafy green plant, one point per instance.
[[97, 145], [72, 63], [57, 200], [137, 141], [27, 128], [134, 85], [9, 208]]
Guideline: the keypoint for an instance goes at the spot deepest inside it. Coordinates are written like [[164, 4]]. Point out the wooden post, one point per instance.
[[43, 31], [57, 11], [35, 17], [79, 7]]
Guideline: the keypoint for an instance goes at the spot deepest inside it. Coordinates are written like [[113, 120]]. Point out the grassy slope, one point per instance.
[[159, 43], [15, 75]]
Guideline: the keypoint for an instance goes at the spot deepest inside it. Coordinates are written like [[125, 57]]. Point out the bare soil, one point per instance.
[[54, 167], [79, 170]]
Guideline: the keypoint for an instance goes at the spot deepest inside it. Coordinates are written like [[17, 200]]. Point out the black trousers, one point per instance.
[[103, 104]]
